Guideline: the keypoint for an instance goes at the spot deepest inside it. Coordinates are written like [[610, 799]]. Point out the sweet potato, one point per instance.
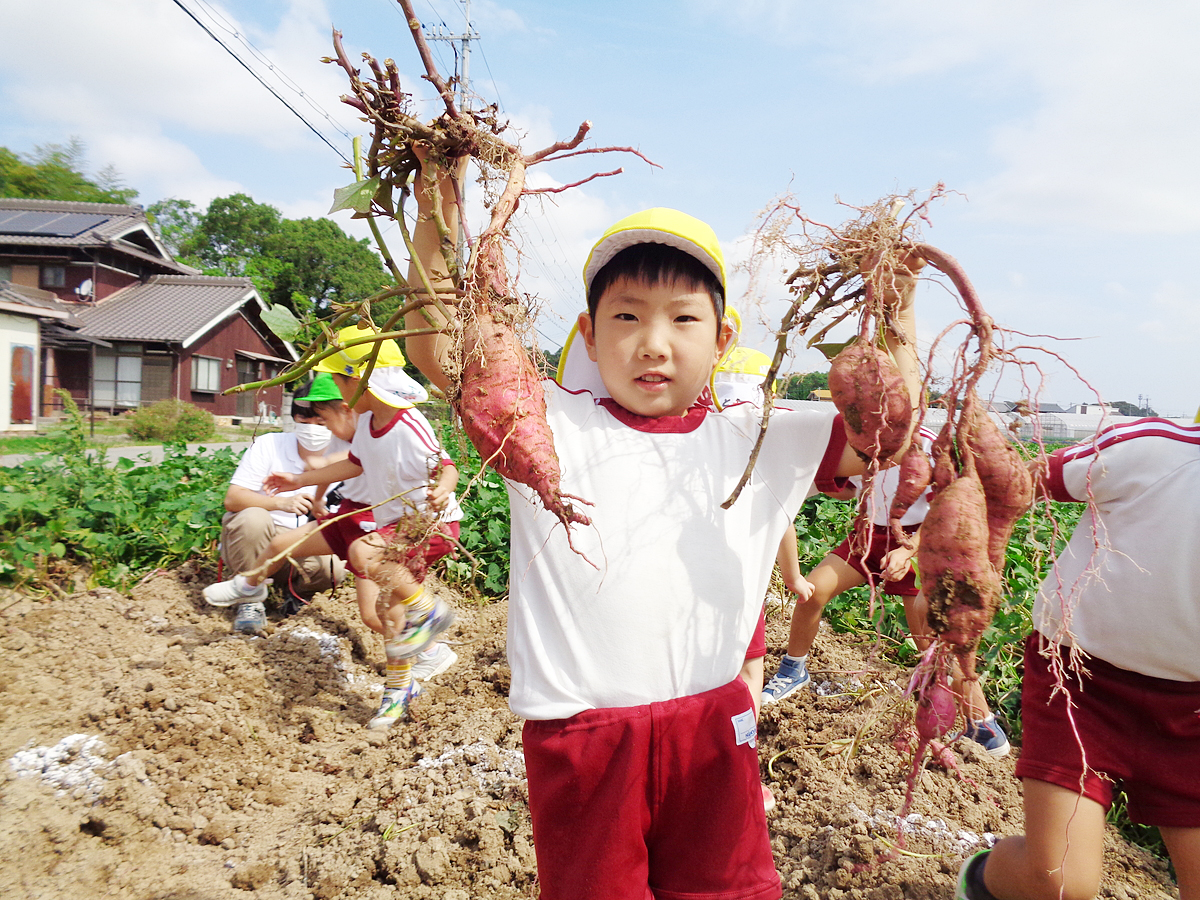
[[1007, 485], [500, 397], [937, 709], [870, 393], [959, 579], [915, 473]]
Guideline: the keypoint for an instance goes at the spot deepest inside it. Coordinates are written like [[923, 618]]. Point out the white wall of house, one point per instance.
[[17, 331]]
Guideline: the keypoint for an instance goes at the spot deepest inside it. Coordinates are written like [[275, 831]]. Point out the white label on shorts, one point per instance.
[[745, 728]]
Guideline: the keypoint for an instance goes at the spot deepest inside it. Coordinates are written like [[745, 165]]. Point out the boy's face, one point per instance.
[[347, 385], [656, 347], [339, 419]]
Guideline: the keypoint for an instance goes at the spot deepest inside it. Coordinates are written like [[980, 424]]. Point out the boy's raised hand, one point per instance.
[[281, 481]]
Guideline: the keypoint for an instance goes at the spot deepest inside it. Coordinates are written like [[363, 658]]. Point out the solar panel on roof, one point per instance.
[[48, 224]]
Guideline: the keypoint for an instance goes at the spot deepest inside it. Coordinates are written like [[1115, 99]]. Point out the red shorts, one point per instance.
[[869, 566], [436, 546], [659, 801], [340, 534], [1139, 732]]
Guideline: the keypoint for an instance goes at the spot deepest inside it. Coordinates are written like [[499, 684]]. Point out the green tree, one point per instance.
[[59, 172], [1126, 408], [176, 222], [305, 265], [233, 231], [317, 264], [799, 387]]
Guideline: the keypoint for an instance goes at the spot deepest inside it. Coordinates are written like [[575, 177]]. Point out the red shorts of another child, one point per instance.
[[659, 801], [1137, 731], [436, 546], [341, 530], [870, 565]]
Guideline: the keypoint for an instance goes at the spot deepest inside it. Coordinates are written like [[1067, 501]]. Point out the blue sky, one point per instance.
[[1069, 130]]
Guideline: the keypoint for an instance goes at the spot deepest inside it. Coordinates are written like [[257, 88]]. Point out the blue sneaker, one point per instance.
[[418, 635], [989, 735], [791, 677], [251, 618]]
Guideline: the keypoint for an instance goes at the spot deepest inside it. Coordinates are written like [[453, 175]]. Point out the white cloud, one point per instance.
[[1102, 97]]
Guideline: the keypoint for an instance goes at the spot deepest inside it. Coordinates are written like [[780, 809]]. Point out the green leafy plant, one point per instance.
[[485, 524], [119, 521], [170, 420]]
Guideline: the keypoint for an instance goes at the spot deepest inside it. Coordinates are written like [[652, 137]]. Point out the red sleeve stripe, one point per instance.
[[827, 471], [424, 432], [1114, 434]]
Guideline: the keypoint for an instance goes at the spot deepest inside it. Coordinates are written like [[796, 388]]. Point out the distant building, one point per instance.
[[120, 322]]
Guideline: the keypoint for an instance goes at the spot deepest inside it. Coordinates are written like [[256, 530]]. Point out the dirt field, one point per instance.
[[153, 755]]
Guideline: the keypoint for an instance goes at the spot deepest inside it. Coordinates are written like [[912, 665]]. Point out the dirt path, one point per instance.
[[153, 755]]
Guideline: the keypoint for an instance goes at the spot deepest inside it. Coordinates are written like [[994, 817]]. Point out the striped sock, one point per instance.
[[399, 674], [419, 605]]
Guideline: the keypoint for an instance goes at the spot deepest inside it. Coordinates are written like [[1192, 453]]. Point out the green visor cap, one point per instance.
[[321, 388]]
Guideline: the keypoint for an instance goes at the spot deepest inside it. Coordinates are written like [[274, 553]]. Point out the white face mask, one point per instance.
[[313, 438]]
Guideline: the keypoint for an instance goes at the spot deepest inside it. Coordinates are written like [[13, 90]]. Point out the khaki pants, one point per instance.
[[246, 534]]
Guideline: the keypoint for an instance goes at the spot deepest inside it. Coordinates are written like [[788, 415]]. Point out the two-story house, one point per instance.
[[121, 323]]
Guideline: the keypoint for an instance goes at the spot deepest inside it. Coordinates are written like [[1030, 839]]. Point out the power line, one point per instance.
[[257, 78], [288, 82]]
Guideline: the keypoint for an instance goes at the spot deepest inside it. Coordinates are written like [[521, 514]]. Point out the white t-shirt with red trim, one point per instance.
[[661, 594], [355, 489], [887, 481], [275, 452], [397, 460], [1130, 574]]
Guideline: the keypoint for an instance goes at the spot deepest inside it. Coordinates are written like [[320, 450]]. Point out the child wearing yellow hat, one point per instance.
[[410, 481], [626, 641]]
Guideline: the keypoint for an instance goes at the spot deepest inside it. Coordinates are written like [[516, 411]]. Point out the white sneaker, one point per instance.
[[233, 591], [433, 661], [251, 618]]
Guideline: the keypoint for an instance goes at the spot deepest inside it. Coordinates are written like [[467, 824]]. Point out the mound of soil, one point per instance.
[[149, 753]]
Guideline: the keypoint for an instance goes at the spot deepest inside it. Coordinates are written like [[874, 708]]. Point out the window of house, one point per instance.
[[54, 276], [5, 273], [206, 374], [117, 380]]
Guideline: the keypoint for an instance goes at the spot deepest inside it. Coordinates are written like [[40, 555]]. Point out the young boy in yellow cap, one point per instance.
[[625, 648], [409, 478]]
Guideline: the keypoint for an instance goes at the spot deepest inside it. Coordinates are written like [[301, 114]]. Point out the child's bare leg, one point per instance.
[[393, 588], [832, 576], [366, 592], [1184, 846], [395, 585], [1060, 854], [752, 674]]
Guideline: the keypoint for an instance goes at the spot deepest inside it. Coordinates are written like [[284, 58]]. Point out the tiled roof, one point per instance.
[[63, 223], [40, 303], [171, 308]]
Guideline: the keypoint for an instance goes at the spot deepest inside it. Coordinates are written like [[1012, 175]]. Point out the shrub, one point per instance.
[[120, 521], [169, 421]]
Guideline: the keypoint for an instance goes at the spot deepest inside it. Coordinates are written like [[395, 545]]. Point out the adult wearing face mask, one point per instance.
[[253, 517]]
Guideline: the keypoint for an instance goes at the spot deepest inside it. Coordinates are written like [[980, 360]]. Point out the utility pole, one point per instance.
[[462, 65], [462, 78]]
